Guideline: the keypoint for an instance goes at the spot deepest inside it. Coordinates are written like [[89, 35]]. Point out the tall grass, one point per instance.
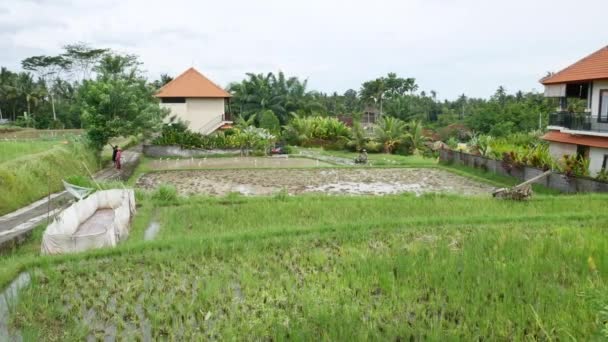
[[29, 178], [13, 149], [435, 267]]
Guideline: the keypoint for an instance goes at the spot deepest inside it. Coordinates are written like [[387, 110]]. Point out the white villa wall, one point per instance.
[[177, 109], [203, 110], [596, 158], [595, 97], [558, 150], [197, 111]]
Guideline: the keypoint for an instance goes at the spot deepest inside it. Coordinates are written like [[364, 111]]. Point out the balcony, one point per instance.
[[572, 121], [577, 122]]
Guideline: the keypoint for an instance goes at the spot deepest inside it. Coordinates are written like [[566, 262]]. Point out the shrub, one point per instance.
[[373, 147], [268, 120], [574, 166], [602, 175], [315, 130], [165, 193]]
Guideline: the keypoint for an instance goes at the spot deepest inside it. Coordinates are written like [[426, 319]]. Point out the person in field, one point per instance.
[[114, 150], [362, 158], [117, 158]]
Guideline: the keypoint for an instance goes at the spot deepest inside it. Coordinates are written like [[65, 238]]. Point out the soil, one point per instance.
[[327, 181]]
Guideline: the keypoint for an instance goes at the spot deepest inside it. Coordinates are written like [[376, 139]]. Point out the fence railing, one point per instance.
[[215, 122], [574, 121]]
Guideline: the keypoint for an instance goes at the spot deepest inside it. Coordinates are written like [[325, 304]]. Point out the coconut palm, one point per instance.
[[415, 137], [390, 132]]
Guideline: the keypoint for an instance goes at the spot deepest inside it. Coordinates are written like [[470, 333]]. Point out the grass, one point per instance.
[[28, 178], [333, 268], [374, 159], [15, 149], [29, 169]]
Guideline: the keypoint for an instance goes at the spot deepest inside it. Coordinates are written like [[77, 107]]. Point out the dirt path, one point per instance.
[[17, 225]]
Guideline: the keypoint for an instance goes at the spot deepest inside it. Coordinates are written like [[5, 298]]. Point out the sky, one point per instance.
[[450, 46]]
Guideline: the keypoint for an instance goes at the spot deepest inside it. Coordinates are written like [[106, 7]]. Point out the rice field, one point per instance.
[[14, 149], [433, 267]]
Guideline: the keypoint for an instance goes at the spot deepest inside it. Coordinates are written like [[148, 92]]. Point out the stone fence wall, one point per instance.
[[160, 151], [557, 181]]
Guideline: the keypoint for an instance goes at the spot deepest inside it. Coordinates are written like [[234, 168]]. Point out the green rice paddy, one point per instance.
[[434, 267]]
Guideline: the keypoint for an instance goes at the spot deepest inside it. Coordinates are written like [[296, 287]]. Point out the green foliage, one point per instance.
[[373, 147], [278, 93], [315, 131], [574, 166], [30, 177], [602, 175], [118, 104], [481, 145], [269, 121], [165, 194], [290, 268], [390, 132], [249, 138]]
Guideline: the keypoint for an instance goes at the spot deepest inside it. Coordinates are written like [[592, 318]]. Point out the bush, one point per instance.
[[165, 193], [373, 147], [315, 131], [268, 120]]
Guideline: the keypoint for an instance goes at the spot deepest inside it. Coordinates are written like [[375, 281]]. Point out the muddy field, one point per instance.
[[328, 181], [233, 163]]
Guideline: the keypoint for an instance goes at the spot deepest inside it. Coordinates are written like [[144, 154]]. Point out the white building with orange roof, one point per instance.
[[194, 98], [584, 133]]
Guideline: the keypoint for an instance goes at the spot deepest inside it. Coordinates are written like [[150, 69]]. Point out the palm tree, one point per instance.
[[415, 137], [390, 132]]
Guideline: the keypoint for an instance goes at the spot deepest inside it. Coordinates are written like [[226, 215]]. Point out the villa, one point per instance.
[[195, 99], [583, 133]]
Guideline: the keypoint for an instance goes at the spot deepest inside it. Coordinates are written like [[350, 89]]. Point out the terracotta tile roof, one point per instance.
[[191, 84], [592, 67], [585, 140]]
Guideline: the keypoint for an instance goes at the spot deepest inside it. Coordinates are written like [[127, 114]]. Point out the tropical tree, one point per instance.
[[414, 137], [118, 102], [49, 69], [83, 58], [390, 132], [269, 121], [278, 93]]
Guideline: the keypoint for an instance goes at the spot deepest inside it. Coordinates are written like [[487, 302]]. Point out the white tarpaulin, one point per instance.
[[100, 220]]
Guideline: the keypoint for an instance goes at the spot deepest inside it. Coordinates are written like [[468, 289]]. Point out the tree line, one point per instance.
[[394, 96], [55, 92]]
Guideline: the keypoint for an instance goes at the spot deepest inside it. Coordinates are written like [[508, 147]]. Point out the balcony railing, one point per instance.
[[573, 121]]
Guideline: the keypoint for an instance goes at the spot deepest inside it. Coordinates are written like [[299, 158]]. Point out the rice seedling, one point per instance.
[[336, 268]]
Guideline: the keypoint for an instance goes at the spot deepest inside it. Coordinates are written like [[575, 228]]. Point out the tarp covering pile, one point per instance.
[[100, 220]]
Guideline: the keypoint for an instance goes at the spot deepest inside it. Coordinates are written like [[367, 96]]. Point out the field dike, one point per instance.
[[8, 300], [29, 178]]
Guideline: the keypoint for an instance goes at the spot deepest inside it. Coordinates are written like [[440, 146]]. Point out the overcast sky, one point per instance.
[[450, 46]]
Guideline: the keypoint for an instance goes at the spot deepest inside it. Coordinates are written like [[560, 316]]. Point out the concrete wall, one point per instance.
[[177, 109], [198, 112], [596, 158], [555, 181], [558, 150]]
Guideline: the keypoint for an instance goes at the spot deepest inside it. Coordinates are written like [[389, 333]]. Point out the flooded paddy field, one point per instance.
[[363, 181], [234, 163]]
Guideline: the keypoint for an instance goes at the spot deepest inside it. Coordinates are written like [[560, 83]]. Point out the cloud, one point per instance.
[[451, 46]]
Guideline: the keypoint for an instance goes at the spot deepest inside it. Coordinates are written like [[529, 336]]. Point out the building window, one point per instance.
[[605, 162], [173, 100], [603, 114]]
